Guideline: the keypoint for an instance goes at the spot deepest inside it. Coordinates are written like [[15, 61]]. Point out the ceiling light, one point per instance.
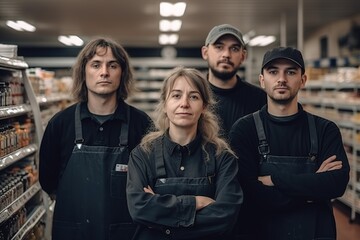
[[167, 26], [71, 40], [168, 39], [261, 40], [172, 9], [20, 26]]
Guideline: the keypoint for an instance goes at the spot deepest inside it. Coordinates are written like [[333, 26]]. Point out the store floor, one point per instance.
[[346, 230]]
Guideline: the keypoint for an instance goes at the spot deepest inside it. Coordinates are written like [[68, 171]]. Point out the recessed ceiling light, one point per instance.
[[168, 39], [20, 26], [71, 40], [167, 25], [172, 9]]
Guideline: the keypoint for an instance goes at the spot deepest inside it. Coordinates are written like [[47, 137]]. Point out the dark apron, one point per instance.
[[91, 198], [299, 223], [199, 186]]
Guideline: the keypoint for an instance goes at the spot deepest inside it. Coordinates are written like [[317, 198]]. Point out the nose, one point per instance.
[[282, 77], [226, 53], [104, 71], [184, 102]]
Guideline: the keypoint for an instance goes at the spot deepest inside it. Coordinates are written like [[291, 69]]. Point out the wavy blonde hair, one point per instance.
[[208, 126]]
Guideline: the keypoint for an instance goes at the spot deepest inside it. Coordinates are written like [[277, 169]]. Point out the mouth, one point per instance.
[[184, 114], [226, 63], [104, 82]]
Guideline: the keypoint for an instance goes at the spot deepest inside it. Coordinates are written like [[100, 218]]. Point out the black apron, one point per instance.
[[197, 186], [297, 223], [91, 198]]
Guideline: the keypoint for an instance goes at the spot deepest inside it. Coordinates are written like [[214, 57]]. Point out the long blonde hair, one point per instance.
[[208, 126]]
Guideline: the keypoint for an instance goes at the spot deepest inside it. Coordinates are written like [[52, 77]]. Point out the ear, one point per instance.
[[303, 80], [204, 52], [261, 81], [244, 55]]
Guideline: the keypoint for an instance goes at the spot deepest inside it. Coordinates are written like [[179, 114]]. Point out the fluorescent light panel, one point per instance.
[[261, 41], [168, 39], [71, 40], [172, 9], [20, 26], [170, 26]]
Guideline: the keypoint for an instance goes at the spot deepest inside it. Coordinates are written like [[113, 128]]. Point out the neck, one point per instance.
[[227, 84], [102, 106], [182, 136], [282, 110]]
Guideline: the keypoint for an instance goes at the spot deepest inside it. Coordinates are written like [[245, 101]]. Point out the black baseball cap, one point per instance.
[[288, 53]]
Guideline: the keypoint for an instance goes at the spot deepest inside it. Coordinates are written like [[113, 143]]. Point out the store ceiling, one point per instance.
[[135, 23]]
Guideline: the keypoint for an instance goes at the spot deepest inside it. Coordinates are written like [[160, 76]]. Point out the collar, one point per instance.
[[223, 91], [297, 115], [172, 147], [119, 113]]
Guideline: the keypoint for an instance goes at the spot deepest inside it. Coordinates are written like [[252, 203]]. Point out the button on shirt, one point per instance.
[[181, 161]]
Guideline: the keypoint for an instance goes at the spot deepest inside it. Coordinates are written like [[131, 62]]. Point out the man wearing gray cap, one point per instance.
[[291, 163], [225, 51]]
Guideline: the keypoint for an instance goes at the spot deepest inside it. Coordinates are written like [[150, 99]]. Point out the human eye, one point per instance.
[[175, 95], [95, 65], [291, 72], [272, 71], [194, 97], [235, 49], [114, 65], [218, 46]]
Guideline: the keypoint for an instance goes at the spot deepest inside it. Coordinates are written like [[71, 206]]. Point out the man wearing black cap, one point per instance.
[[224, 51], [291, 163]]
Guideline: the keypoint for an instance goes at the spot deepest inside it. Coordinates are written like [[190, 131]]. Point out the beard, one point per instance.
[[224, 76]]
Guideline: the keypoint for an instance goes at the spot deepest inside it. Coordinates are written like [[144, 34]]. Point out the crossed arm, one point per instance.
[[329, 164]]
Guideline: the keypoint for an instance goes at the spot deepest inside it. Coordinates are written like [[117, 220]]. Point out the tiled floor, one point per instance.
[[346, 230]]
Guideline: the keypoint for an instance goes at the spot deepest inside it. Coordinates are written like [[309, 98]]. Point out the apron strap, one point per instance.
[[263, 147], [123, 139], [159, 158], [79, 140], [313, 137]]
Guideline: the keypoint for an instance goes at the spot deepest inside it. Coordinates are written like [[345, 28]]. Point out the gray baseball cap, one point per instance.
[[221, 30]]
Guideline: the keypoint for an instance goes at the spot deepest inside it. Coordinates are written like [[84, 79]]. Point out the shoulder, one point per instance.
[[64, 116], [324, 123], [136, 113]]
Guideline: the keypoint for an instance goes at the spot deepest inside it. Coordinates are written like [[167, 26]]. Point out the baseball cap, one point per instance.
[[221, 30], [289, 53]]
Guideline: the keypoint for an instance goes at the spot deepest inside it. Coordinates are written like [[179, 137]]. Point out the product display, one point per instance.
[[335, 95], [21, 200]]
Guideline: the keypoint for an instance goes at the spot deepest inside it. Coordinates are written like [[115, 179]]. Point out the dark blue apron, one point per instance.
[[196, 186], [295, 223], [91, 198]]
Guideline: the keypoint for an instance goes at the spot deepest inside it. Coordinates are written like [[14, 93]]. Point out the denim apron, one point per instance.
[[91, 198], [196, 186], [297, 223]]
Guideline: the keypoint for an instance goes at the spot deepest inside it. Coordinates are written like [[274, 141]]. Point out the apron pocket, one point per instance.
[[123, 231], [118, 184], [66, 230]]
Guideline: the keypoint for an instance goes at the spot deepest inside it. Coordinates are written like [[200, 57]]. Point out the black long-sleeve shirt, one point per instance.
[[237, 102], [288, 136], [177, 212], [59, 136]]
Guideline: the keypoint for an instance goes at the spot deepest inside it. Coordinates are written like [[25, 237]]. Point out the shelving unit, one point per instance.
[[22, 204], [337, 97]]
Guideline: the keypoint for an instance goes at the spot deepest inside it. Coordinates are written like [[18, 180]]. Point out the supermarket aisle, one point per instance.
[[345, 229]]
